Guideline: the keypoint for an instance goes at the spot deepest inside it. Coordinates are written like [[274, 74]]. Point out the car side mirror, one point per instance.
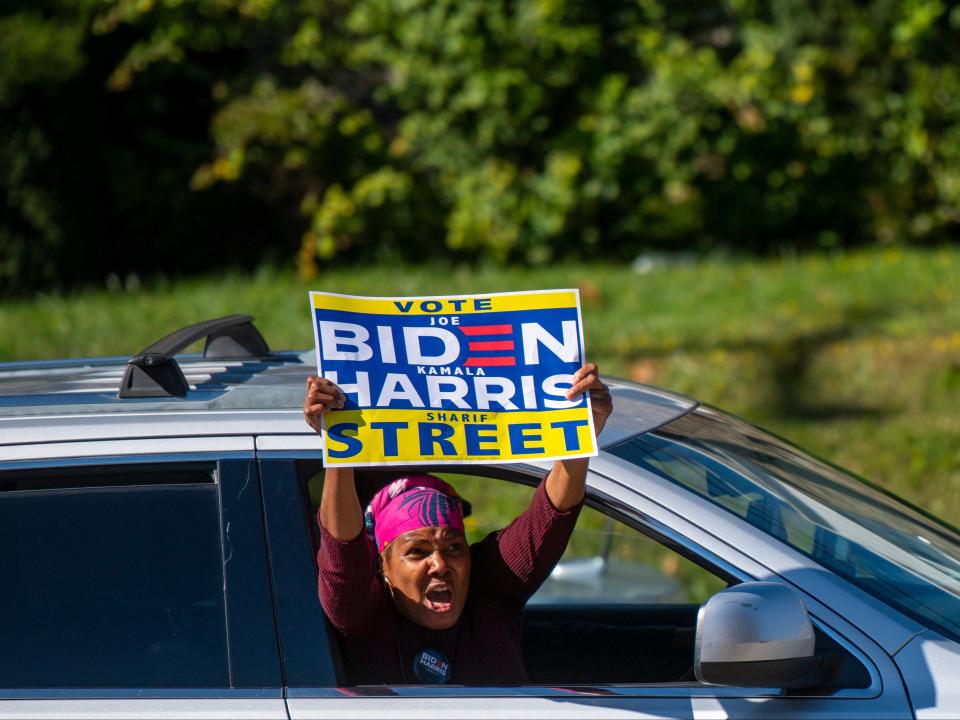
[[758, 634]]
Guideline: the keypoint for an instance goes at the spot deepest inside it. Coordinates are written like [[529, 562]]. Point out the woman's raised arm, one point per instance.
[[566, 481], [340, 513]]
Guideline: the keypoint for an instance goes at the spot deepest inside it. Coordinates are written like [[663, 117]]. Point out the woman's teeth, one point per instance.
[[439, 600]]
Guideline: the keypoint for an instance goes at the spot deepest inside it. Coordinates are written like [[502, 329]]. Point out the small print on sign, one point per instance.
[[467, 378]]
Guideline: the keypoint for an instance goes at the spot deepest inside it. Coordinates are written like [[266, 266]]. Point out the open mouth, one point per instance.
[[439, 600]]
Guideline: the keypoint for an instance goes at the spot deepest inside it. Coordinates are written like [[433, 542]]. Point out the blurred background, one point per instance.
[[759, 202]]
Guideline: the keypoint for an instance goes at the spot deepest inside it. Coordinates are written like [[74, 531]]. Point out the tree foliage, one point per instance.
[[530, 130], [38, 55]]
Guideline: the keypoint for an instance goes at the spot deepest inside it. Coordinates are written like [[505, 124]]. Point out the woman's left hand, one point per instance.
[[587, 379]]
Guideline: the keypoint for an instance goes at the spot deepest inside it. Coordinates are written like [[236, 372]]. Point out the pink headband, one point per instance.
[[410, 503]]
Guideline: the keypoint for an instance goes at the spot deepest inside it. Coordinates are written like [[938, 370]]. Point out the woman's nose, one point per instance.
[[438, 564]]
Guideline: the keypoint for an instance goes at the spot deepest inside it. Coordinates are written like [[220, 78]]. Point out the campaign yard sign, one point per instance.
[[464, 378]]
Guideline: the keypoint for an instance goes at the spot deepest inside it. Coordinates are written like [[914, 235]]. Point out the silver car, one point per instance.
[[158, 541]]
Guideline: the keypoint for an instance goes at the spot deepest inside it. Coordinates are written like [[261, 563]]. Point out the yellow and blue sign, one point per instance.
[[465, 378]]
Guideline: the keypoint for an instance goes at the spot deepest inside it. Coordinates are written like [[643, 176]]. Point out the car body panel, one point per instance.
[[92, 385], [140, 446], [113, 426], [719, 530], [884, 697], [61, 414], [925, 662], [231, 397], [642, 703], [174, 708], [838, 609]]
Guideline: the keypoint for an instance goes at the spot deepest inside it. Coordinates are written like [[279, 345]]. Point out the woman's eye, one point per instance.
[[454, 548]]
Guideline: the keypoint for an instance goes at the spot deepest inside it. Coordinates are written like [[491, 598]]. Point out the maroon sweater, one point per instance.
[[379, 644]]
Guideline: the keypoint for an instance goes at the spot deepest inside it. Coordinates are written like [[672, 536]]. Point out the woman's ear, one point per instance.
[[382, 570], [389, 586]]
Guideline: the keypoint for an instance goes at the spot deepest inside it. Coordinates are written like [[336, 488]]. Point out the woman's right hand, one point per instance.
[[322, 395]]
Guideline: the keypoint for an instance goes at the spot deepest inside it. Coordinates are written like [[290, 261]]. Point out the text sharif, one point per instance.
[[351, 342]]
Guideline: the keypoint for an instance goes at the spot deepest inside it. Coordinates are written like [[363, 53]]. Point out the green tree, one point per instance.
[[41, 51], [526, 131]]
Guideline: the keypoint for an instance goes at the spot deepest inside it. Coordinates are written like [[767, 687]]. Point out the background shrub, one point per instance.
[[162, 136]]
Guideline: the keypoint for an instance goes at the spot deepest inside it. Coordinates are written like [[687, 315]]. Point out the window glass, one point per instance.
[[868, 537], [115, 582], [610, 562], [606, 561], [494, 503]]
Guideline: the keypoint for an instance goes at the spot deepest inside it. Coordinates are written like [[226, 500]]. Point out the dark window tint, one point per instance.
[[116, 584]]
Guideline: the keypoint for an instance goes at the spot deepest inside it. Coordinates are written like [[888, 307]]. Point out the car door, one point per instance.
[[845, 622], [315, 686], [135, 582]]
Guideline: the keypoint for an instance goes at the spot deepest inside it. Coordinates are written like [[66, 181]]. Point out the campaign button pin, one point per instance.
[[431, 667]]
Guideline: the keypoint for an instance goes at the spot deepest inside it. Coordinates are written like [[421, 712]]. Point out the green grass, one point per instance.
[[855, 356]]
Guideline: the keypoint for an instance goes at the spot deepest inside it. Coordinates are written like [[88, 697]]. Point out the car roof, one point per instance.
[[72, 392], [91, 385]]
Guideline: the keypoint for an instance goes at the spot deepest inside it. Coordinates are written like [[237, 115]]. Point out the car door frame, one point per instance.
[[315, 692], [863, 626], [252, 640]]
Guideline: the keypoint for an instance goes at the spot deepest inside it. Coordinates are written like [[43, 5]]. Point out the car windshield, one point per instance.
[[874, 540]]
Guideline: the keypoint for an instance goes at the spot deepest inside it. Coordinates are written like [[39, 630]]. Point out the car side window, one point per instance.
[[608, 562], [624, 600], [112, 578], [615, 590]]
